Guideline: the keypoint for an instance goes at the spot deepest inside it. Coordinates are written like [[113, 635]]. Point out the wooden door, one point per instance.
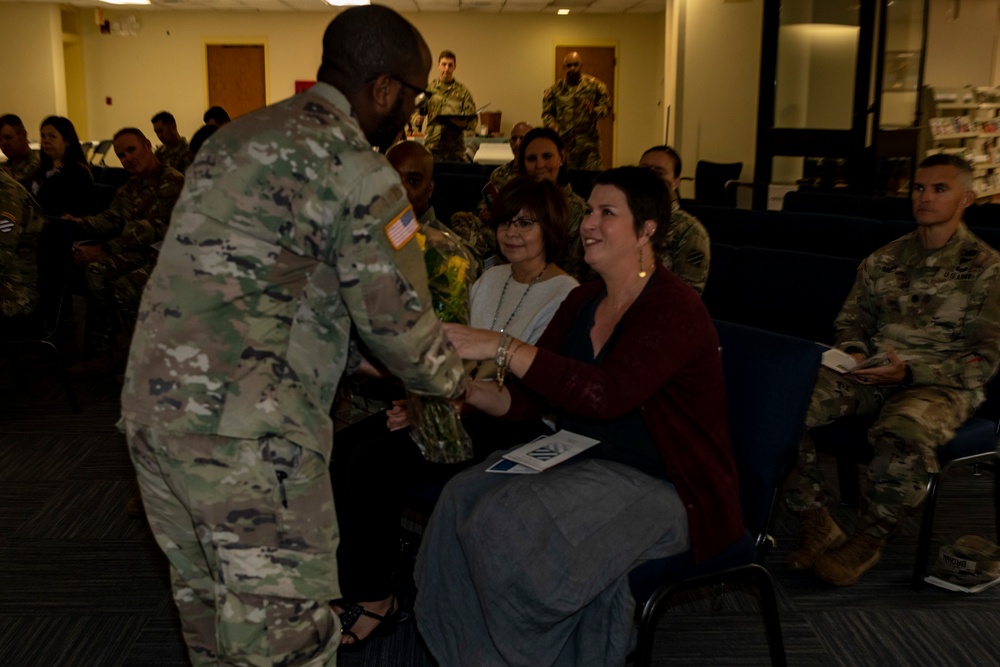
[[236, 77], [598, 62]]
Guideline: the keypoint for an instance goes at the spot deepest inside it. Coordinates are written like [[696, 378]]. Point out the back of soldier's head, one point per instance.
[[13, 121], [364, 42]]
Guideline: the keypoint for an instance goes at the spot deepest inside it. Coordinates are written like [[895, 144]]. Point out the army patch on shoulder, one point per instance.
[[7, 221], [402, 228]]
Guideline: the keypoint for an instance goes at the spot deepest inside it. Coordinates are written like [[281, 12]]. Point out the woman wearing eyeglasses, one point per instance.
[[533, 569], [374, 469]]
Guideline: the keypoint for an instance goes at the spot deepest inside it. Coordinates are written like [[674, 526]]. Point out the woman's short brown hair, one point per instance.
[[546, 202]]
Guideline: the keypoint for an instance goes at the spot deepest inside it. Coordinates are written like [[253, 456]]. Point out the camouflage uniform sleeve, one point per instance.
[[549, 109], [856, 323], [152, 227], [690, 255], [109, 222], [468, 104], [602, 100], [981, 329], [20, 224], [385, 290]]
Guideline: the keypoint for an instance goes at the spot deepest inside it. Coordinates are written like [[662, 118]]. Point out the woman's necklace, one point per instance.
[[503, 293]]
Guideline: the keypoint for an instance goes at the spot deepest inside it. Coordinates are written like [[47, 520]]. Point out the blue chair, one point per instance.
[[769, 379], [975, 444]]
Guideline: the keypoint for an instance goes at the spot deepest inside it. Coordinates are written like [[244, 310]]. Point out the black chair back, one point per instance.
[[710, 179]]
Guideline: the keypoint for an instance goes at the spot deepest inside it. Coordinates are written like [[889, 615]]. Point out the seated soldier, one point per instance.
[[121, 243], [686, 249], [923, 323], [174, 151], [503, 174], [21, 221], [22, 162]]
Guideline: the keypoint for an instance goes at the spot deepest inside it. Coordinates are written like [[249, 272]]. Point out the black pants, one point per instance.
[[375, 472]]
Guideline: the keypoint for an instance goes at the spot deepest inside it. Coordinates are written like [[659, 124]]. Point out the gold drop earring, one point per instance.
[[642, 271]]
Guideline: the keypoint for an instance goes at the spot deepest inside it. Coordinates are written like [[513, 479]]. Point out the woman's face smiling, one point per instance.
[[542, 159], [608, 232], [520, 240]]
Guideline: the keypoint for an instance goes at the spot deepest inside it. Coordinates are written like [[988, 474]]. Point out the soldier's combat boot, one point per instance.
[[818, 533], [844, 565]]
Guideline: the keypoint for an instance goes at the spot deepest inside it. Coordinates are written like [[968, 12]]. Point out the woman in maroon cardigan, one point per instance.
[[532, 569]]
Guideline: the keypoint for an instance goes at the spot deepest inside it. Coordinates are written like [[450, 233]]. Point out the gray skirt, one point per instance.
[[533, 569]]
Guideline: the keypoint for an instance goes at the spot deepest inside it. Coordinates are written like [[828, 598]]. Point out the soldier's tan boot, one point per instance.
[[844, 565], [818, 533]]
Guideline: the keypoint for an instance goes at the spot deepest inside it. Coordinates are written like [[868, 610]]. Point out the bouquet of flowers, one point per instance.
[[437, 428], [448, 275]]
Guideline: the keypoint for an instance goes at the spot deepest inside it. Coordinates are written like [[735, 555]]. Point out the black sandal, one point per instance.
[[353, 611]]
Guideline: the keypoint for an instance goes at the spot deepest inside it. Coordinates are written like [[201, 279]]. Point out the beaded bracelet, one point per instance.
[[502, 358]]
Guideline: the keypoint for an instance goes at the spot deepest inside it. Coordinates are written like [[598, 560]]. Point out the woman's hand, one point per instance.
[[396, 416], [473, 344]]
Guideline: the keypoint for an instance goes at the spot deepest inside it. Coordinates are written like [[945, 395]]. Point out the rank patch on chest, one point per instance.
[[402, 228]]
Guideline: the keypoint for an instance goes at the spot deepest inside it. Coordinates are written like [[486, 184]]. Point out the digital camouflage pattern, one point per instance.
[[21, 221], [499, 177], [279, 244], [441, 138], [138, 215], [177, 156], [262, 554], [478, 236], [22, 169], [574, 111], [136, 219], [686, 249], [573, 263], [940, 311]]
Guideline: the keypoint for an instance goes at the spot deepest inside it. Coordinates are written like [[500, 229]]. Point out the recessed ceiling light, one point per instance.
[[347, 3], [562, 12], [126, 2]]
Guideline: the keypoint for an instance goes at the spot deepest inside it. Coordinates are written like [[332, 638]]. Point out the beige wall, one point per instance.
[[963, 52], [717, 82], [507, 60], [33, 85]]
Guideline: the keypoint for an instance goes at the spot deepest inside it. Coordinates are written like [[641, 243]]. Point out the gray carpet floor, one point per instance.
[[81, 584]]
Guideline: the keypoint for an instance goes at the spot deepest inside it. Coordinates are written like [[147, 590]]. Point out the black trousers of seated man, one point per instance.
[[375, 471]]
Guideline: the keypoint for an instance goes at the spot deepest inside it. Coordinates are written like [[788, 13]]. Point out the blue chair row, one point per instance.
[[877, 208], [769, 379], [820, 233]]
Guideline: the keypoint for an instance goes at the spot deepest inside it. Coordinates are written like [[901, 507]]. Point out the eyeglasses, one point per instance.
[[422, 94], [520, 224]]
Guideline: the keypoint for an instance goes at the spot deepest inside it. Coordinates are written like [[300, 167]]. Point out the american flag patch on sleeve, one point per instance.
[[402, 228]]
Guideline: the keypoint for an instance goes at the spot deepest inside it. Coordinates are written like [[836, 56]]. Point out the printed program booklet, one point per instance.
[[841, 362], [542, 453]]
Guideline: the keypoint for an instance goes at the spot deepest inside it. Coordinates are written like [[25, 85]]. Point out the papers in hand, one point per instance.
[[838, 360], [543, 453], [842, 362]]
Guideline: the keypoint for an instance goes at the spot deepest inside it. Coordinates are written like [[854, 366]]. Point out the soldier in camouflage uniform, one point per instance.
[[686, 248], [503, 174], [174, 151], [22, 162], [449, 110], [119, 252], [572, 108], [289, 231], [929, 303], [21, 221]]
